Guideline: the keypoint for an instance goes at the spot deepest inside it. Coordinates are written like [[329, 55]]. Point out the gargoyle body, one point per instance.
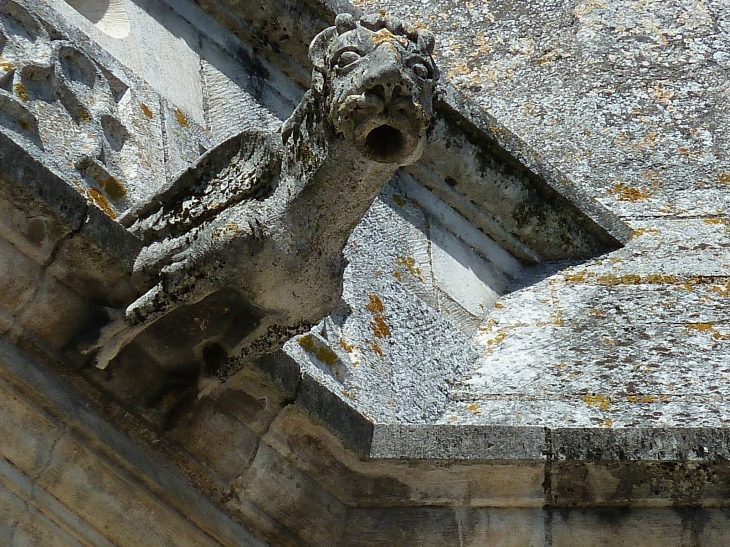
[[244, 250]]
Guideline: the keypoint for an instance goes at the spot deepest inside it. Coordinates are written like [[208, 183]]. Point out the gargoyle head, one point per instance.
[[375, 78]]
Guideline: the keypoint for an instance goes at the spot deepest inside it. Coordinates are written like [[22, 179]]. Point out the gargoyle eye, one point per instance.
[[347, 58], [421, 70]]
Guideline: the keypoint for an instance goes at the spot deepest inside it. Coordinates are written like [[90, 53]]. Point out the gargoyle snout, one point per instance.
[[386, 81]]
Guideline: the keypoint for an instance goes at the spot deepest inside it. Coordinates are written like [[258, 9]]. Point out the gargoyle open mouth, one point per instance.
[[389, 139], [384, 143]]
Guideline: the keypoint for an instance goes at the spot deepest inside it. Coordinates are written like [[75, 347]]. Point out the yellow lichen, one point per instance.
[[84, 115], [347, 347], [227, 231], [113, 187], [660, 279], [723, 178], [715, 220], [624, 192], [21, 92], [6, 65], [661, 94], [597, 401], [497, 339], [499, 305], [722, 290], [397, 275], [376, 348], [487, 327], [101, 202], [306, 342], [474, 408], [613, 280], [326, 355], [608, 422], [577, 277], [181, 118], [146, 109], [378, 324], [398, 200], [384, 36], [638, 232], [702, 327], [409, 263]]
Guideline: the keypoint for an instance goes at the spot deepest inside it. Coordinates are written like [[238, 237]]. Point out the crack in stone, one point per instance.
[[42, 278]]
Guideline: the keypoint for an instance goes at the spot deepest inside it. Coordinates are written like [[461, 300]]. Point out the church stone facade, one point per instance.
[[520, 337]]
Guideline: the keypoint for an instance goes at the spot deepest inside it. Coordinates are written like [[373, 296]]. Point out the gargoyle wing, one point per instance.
[[245, 166]]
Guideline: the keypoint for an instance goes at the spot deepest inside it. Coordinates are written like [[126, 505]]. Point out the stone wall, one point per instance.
[[539, 418]]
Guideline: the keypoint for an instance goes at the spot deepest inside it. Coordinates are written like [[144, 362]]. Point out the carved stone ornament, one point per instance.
[[244, 249]]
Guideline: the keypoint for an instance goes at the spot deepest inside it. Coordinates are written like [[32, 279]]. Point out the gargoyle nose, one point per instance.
[[385, 79]]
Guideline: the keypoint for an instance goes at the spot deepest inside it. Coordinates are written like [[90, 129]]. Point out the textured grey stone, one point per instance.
[[257, 227], [611, 374], [85, 425], [459, 442]]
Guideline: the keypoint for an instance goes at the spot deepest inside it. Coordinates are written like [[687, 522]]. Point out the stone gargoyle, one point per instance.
[[244, 249]]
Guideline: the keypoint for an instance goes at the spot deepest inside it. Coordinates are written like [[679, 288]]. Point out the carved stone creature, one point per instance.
[[244, 250]]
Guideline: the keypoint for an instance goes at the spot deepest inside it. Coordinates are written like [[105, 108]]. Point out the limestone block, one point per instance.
[[377, 482], [71, 480], [164, 54], [34, 530], [18, 277], [12, 509], [134, 142], [96, 262], [184, 140], [239, 95], [648, 483], [29, 228], [445, 527], [463, 275], [55, 314], [289, 496], [252, 399], [28, 453], [219, 440], [108, 501], [609, 527]]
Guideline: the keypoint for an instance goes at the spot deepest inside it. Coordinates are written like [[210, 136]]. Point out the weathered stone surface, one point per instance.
[[623, 483], [19, 276], [91, 480], [436, 527], [289, 496], [153, 43], [381, 481], [656, 527], [258, 226], [619, 362]]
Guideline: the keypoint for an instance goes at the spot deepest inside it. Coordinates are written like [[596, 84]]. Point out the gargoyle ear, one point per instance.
[[345, 22], [318, 55], [426, 40]]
